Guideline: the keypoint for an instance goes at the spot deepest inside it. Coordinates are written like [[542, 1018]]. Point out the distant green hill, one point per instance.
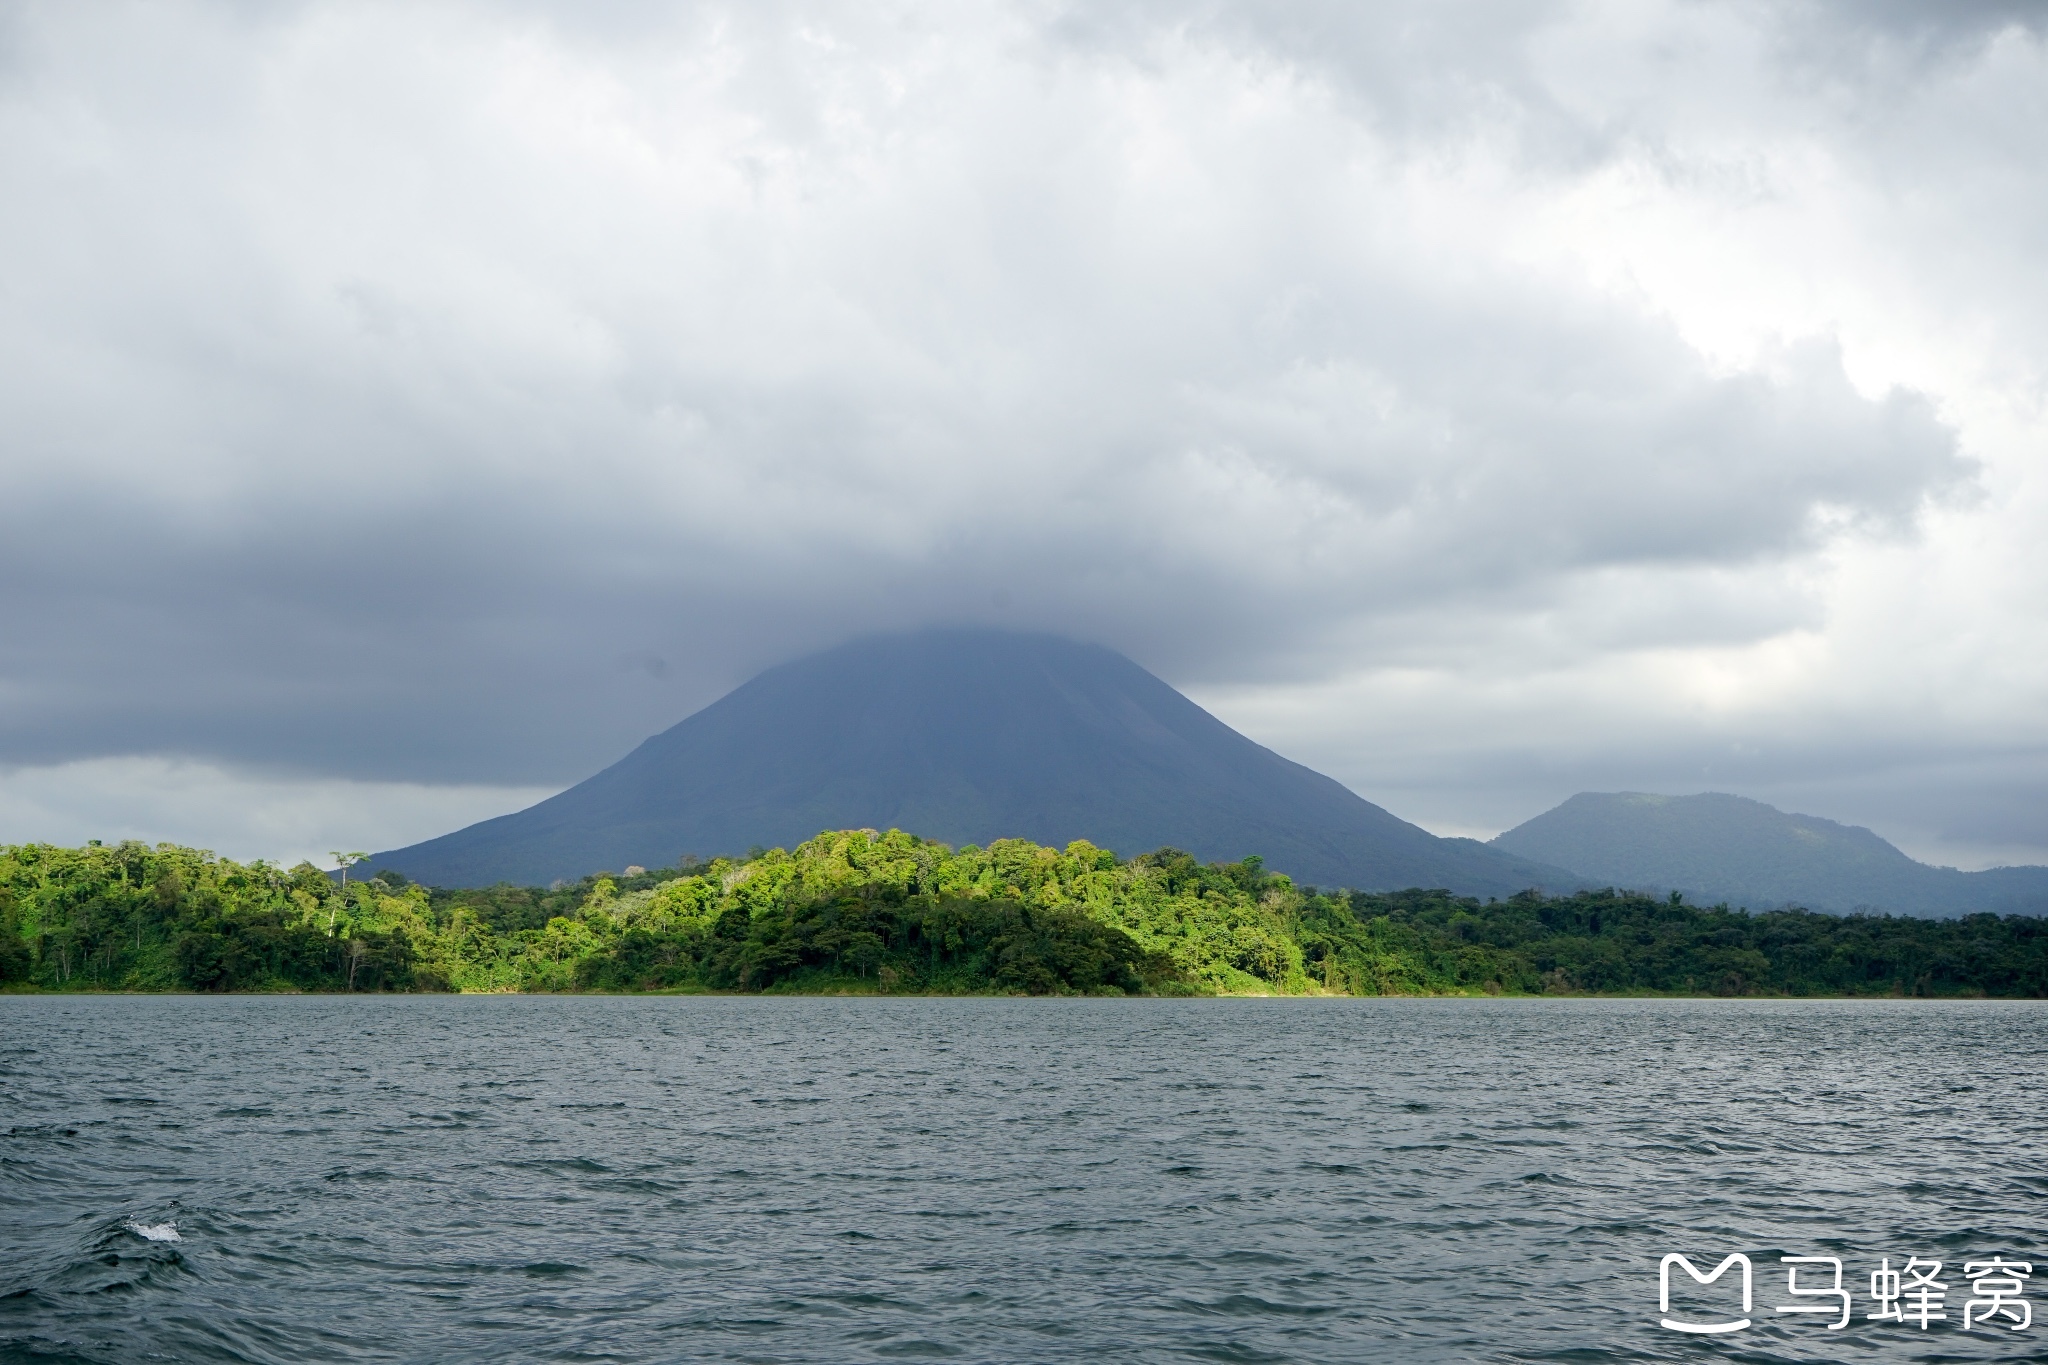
[[1716, 847]]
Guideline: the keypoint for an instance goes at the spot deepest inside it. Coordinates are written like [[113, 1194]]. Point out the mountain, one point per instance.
[[1717, 848], [964, 736]]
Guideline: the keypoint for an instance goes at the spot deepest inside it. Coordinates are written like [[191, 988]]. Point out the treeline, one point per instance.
[[861, 911]]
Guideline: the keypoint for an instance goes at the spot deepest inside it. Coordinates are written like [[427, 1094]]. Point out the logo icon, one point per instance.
[[1704, 1328]]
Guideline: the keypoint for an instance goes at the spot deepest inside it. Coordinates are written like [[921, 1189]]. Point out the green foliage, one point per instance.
[[1625, 943], [131, 917], [858, 911]]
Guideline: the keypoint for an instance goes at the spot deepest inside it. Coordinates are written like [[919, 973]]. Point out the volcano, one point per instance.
[[1718, 847], [964, 736]]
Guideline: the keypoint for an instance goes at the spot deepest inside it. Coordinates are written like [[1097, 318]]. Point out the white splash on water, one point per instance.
[[156, 1232]]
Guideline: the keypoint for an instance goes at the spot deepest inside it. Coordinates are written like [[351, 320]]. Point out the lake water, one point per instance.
[[642, 1179]]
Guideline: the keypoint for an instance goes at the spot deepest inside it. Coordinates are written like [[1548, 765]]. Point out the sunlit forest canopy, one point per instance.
[[868, 912]]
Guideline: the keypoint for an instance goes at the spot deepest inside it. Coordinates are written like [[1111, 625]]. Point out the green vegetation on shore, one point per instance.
[[891, 913]]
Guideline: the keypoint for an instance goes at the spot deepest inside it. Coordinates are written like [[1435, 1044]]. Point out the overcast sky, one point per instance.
[[405, 409]]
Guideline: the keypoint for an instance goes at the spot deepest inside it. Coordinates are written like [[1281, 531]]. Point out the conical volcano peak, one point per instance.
[[964, 735]]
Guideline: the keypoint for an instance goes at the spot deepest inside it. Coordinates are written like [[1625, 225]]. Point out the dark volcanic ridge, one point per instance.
[[965, 736], [1716, 847]]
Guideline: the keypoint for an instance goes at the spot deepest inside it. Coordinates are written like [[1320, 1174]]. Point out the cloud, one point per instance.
[[449, 394], [239, 815]]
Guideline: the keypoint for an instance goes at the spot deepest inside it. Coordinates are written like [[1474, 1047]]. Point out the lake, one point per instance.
[[651, 1179]]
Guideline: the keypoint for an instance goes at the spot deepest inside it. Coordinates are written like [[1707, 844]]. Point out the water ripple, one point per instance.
[[495, 1179]]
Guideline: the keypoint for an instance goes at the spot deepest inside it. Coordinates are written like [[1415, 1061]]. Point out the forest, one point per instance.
[[863, 912]]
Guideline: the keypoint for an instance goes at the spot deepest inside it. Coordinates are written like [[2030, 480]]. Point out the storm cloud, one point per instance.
[[1479, 402]]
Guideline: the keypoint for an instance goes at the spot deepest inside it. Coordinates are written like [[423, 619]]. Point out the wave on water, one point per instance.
[[1114, 1182]]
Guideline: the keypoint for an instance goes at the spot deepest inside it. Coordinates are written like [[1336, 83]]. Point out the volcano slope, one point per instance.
[[964, 736]]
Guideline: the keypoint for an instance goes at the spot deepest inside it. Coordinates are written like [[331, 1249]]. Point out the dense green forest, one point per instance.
[[860, 911]]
